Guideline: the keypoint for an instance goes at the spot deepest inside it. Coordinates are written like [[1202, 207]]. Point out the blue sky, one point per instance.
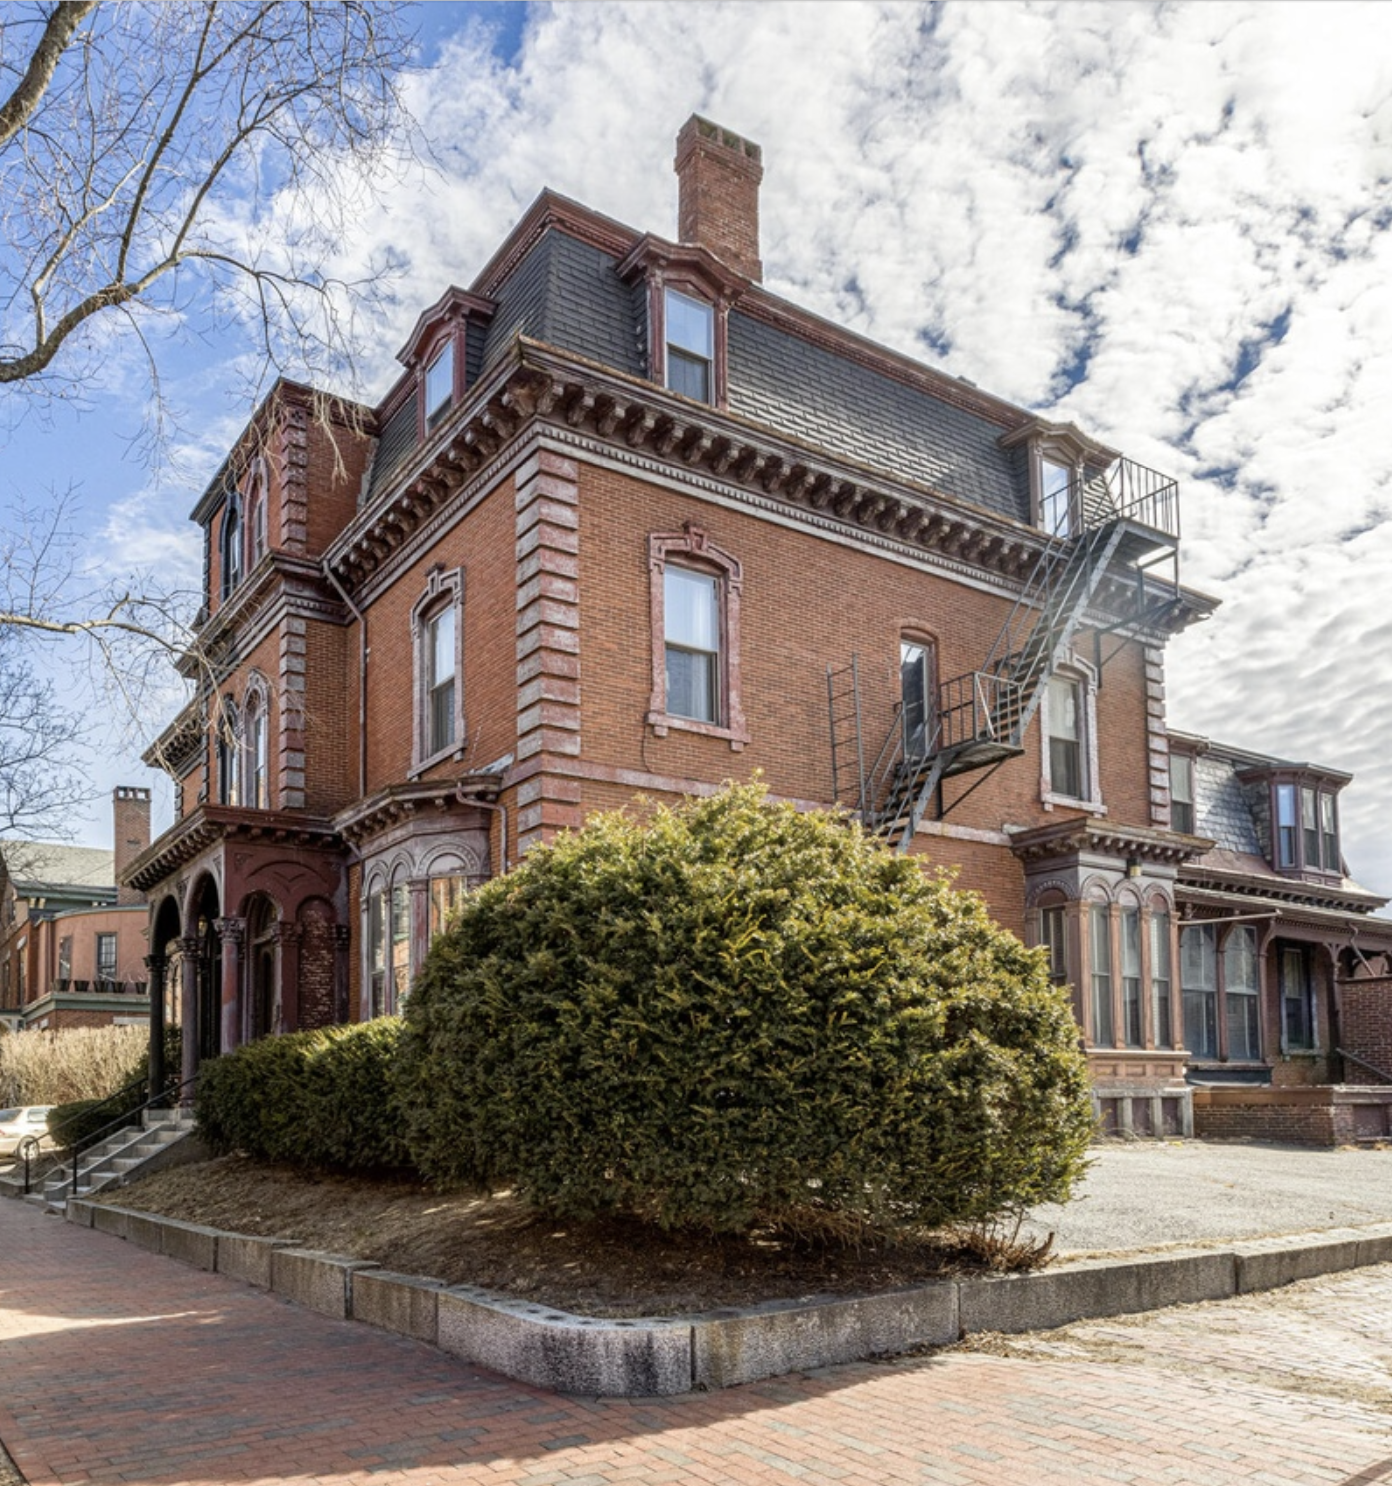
[[1168, 223]]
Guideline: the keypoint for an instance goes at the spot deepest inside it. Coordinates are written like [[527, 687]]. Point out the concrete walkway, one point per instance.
[[120, 1366]]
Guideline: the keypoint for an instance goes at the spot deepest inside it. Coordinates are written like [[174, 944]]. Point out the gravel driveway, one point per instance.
[[1181, 1192]]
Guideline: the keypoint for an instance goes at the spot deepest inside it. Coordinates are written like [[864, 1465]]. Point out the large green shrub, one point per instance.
[[733, 1013], [316, 1099]]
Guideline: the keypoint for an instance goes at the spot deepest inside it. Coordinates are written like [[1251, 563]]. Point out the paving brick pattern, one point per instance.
[[121, 1366]]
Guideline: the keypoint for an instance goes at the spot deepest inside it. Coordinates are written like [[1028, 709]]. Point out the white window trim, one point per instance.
[[443, 588], [1085, 675]]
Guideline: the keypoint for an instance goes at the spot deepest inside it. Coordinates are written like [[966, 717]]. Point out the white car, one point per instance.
[[16, 1125]]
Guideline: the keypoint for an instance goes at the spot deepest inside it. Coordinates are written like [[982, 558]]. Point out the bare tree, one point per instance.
[[198, 155], [200, 160]]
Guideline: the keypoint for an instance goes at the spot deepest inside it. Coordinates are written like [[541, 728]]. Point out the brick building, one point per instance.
[[629, 523], [72, 943]]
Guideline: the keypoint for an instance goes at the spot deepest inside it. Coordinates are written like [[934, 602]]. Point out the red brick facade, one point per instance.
[[455, 642]]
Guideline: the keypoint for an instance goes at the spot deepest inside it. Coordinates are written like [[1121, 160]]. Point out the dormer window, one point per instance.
[[1182, 793], [1306, 829], [1056, 498], [690, 343], [439, 385]]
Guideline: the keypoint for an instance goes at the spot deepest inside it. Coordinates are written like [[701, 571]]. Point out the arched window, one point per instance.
[[256, 761], [257, 517], [437, 624], [388, 943], [230, 755], [231, 546]]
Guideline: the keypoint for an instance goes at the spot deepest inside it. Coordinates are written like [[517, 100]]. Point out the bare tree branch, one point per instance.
[[16, 110]]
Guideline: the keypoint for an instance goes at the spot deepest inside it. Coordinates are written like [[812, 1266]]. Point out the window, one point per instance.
[[1222, 992], [439, 386], [65, 959], [1285, 825], [1182, 793], [1198, 969], [436, 625], [231, 546], [257, 771], [1297, 998], [440, 681], [917, 687], [691, 604], [106, 958], [446, 899], [229, 750], [690, 345], [388, 949], [1100, 936], [1066, 738], [1306, 829], [1056, 498], [1160, 979], [695, 592], [1131, 1003], [256, 517], [1240, 991], [1053, 929]]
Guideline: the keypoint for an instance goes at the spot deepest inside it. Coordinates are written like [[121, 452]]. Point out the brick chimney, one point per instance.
[[130, 807], [718, 176]]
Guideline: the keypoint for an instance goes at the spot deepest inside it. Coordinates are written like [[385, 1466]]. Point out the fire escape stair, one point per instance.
[[982, 717]]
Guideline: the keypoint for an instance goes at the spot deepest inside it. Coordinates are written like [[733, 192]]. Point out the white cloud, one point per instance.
[[1130, 194]]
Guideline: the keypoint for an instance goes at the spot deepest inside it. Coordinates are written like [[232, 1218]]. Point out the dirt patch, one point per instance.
[[608, 1268]]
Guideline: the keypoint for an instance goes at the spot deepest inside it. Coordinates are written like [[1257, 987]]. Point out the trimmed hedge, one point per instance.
[[317, 1099], [738, 1013]]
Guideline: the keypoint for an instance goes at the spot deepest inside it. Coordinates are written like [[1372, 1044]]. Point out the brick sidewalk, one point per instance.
[[119, 1365]]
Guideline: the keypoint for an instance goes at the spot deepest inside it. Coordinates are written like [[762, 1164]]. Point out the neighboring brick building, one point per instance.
[[72, 944], [629, 523]]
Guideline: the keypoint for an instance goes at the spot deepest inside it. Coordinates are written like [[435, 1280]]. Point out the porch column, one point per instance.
[[155, 967], [287, 941], [189, 948], [230, 934]]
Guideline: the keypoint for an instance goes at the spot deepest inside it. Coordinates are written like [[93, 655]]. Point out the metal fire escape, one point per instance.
[[1123, 520]]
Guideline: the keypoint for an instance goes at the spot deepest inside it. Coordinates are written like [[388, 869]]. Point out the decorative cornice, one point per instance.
[[721, 282], [536, 382], [1087, 450], [212, 824], [367, 818], [1086, 834], [178, 747], [1281, 890]]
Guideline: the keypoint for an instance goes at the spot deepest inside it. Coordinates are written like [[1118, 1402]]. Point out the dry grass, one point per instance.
[[605, 1268], [56, 1067]]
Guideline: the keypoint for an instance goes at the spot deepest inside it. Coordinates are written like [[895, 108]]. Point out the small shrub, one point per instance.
[[314, 1099], [737, 1013]]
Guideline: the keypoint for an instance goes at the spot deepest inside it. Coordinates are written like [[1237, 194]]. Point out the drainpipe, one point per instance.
[[363, 653], [500, 811]]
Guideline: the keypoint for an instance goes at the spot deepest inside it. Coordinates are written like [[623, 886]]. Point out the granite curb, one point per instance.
[[656, 1356]]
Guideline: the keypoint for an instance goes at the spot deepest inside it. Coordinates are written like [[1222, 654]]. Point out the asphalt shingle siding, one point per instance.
[[1221, 808], [397, 439], [567, 294], [784, 381]]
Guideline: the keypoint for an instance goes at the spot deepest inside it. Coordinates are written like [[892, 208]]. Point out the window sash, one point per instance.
[[1297, 1000], [106, 957], [1066, 738], [1198, 969], [1053, 925], [1182, 793], [691, 627], [439, 385], [440, 681], [1055, 498], [1329, 829], [690, 344], [1103, 1022], [1285, 826], [1132, 1021], [446, 899], [1161, 980]]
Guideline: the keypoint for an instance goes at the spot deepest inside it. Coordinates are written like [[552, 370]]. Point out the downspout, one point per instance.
[[501, 812], [363, 653]]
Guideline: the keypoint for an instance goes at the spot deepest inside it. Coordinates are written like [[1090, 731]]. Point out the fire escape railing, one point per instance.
[[982, 715]]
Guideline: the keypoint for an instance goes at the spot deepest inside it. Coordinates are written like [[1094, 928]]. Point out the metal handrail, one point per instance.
[[30, 1147], [1382, 1073]]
